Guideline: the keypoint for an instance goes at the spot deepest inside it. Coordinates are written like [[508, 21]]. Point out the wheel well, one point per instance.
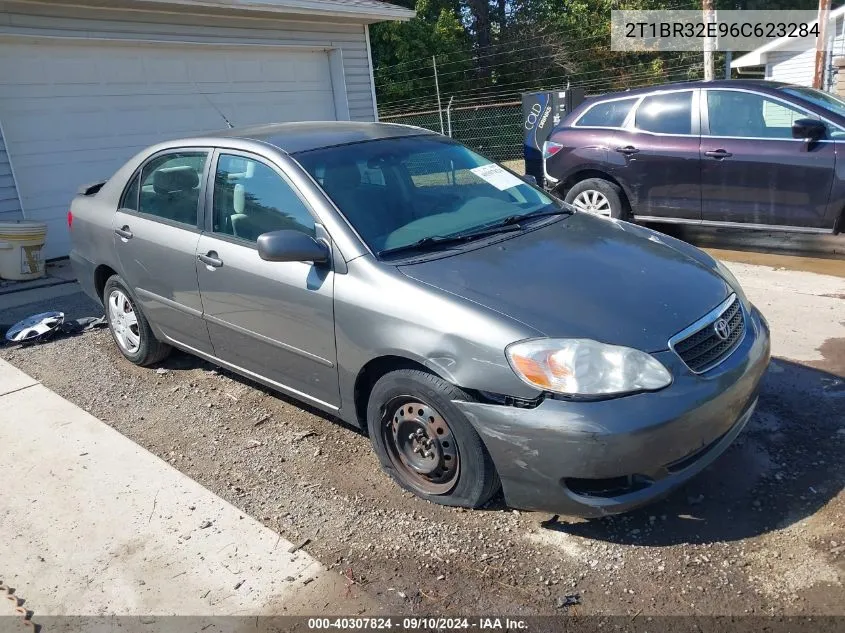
[[369, 376], [577, 177], [101, 276]]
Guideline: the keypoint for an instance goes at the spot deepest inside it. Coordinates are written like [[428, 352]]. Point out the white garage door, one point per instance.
[[73, 112]]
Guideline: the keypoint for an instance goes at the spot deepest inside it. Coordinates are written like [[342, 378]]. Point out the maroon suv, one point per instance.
[[759, 154]]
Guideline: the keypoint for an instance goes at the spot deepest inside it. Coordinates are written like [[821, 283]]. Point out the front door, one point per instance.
[[156, 235], [656, 155], [274, 319], [753, 171]]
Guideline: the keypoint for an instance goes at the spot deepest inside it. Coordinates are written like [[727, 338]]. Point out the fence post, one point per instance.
[[449, 116], [437, 87]]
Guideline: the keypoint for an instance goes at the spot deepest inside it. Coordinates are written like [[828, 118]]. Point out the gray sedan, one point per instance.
[[485, 334]]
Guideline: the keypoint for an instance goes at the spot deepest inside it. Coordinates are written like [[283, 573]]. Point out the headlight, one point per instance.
[[586, 368]]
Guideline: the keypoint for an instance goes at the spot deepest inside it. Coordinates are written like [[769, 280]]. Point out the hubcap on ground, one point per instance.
[[124, 322], [421, 446], [592, 201]]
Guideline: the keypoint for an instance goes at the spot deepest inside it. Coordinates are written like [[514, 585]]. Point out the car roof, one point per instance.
[[757, 84], [310, 135]]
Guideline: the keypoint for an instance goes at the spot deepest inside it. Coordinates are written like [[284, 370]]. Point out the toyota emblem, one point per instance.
[[722, 329]]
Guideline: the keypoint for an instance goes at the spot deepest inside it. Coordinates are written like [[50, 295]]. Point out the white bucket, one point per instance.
[[20, 249]]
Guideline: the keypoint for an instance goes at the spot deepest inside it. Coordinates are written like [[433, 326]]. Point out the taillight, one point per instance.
[[70, 219], [550, 148]]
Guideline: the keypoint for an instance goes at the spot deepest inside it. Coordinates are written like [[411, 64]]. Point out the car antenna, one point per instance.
[[216, 109]]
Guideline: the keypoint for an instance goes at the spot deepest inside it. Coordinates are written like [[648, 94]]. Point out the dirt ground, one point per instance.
[[762, 531]]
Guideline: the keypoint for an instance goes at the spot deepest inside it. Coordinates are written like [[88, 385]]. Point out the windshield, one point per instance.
[[819, 98], [399, 191]]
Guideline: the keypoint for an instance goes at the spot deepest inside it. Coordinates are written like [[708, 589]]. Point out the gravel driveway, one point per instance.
[[762, 531]]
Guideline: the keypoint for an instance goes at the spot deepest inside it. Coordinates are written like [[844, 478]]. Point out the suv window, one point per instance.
[[250, 199], [170, 186], [607, 114], [669, 113], [750, 115]]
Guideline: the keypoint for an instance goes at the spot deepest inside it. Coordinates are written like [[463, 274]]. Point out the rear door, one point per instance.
[[156, 235], [657, 156], [753, 171], [274, 319]]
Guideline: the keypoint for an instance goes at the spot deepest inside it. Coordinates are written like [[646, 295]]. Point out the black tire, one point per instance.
[[611, 192], [149, 350], [476, 480]]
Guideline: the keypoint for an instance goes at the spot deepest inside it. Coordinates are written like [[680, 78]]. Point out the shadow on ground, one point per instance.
[[182, 361], [784, 467]]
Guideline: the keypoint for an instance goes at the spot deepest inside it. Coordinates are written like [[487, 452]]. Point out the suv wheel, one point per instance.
[[129, 326], [599, 197], [425, 443]]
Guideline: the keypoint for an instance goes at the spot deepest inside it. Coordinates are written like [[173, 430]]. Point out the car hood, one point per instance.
[[585, 277]]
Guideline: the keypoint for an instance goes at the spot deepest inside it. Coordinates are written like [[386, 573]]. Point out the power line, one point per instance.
[[514, 86], [643, 76], [520, 71]]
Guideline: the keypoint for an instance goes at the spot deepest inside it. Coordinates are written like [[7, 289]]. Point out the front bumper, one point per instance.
[[597, 458]]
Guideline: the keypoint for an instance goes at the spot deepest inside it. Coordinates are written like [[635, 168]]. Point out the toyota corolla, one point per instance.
[[485, 334]]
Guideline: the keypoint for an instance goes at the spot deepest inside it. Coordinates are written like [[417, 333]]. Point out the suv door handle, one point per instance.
[[718, 154], [123, 233], [211, 259], [627, 150]]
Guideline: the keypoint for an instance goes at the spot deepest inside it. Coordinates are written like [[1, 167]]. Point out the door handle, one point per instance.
[[211, 259], [627, 150], [123, 233], [718, 154]]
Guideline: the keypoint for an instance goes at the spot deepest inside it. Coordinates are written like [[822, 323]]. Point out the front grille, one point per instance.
[[703, 348]]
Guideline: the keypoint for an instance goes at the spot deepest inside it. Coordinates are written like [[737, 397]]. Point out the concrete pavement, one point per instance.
[[93, 524]]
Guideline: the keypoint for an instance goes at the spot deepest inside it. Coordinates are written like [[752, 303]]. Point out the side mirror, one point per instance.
[[809, 129], [530, 179], [291, 246]]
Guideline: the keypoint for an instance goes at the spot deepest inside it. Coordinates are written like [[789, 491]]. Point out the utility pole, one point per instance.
[[709, 17], [728, 59], [824, 12], [437, 87]]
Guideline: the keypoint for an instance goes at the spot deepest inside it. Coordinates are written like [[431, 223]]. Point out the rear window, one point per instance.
[[607, 114], [666, 113]]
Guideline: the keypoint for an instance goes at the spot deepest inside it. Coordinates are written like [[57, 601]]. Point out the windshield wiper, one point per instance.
[[435, 241], [516, 219]]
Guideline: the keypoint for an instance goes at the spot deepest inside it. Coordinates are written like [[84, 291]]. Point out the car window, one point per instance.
[[751, 115], [607, 114], [666, 113], [251, 198], [433, 187], [129, 199], [170, 186]]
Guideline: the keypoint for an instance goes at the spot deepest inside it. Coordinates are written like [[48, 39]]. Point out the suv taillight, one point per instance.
[[70, 219], [550, 148]]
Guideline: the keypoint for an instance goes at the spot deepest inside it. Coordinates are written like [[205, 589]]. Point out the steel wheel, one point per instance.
[[592, 201], [421, 446], [124, 322]]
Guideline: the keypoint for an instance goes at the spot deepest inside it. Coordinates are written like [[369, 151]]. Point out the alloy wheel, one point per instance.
[[592, 201]]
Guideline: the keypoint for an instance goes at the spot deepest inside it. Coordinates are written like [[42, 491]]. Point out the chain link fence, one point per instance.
[[494, 129]]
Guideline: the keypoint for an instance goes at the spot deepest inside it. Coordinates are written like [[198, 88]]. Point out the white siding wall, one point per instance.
[[791, 66], [10, 208], [798, 66], [63, 21]]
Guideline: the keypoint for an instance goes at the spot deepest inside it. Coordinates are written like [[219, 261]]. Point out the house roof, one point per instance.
[[361, 11], [757, 57]]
